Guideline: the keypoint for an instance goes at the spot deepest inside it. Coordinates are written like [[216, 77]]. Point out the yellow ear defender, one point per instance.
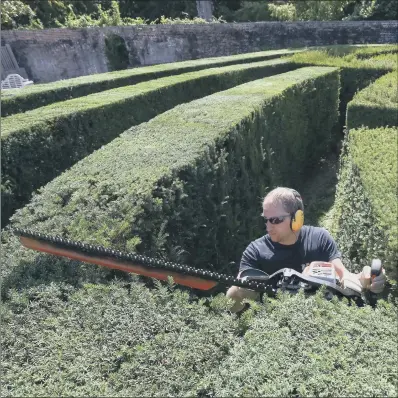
[[297, 220]]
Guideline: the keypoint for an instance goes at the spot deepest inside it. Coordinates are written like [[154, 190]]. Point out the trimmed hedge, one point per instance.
[[365, 212], [373, 50], [355, 74], [35, 96], [124, 340], [384, 61], [186, 184], [358, 51], [309, 347], [38, 145], [376, 105]]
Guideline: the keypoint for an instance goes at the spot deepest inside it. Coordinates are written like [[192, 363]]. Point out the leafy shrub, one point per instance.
[[184, 21], [40, 144], [102, 340], [376, 105], [15, 14], [188, 178], [365, 210], [112, 17], [126, 340], [37, 95], [311, 347]]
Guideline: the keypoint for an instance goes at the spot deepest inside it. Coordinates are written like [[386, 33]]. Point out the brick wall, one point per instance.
[[54, 54]]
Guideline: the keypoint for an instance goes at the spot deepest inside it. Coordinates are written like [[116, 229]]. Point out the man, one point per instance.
[[290, 244]]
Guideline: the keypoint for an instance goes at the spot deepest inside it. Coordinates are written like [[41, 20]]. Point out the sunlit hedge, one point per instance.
[[38, 145], [123, 340], [188, 178], [365, 210], [375, 105]]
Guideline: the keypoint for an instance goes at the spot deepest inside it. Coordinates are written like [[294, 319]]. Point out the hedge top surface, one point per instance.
[[375, 153], [382, 93], [15, 123], [106, 340], [383, 61], [188, 128], [357, 50], [101, 77], [130, 166], [335, 50], [375, 49]]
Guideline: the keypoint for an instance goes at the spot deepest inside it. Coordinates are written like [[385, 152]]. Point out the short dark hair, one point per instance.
[[289, 198]]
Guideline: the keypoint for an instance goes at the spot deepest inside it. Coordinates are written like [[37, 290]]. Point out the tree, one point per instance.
[[31, 14], [51, 13], [205, 9], [309, 10], [16, 14], [253, 11], [374, 10], [154, 9]]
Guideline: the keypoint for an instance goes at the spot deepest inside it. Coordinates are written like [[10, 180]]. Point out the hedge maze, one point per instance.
[[41, 143], [172, 161]]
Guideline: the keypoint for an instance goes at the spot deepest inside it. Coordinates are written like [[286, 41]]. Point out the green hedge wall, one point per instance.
[[124, 340], [185, 185], [356, 74], [357, 51], [35, 96], [40, 144], [374, 50], [365, 211], [376, 105]]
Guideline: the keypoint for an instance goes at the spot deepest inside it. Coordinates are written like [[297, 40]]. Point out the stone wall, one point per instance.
[[54, 54]]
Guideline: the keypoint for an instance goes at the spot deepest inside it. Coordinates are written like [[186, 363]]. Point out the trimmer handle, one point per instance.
[[253, 274], [375, 269]]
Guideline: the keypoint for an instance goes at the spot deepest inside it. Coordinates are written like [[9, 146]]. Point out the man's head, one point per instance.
[[278, 207]]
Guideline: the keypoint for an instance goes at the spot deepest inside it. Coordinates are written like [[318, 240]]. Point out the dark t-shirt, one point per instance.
[[313, 244]]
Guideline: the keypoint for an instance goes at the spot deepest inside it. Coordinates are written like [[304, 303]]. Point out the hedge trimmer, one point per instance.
[[319, 274]]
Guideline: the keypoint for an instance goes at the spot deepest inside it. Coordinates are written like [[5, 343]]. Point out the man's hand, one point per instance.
[[375, 285], [363, 280], [351, 281]]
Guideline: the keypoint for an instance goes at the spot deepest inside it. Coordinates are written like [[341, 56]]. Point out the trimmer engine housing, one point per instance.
[[323, 270]]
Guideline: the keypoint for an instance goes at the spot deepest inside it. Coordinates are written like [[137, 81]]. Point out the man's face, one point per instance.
[[280, 233]]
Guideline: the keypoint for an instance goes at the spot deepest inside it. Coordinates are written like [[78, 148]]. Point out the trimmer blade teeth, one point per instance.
[[136, 258]]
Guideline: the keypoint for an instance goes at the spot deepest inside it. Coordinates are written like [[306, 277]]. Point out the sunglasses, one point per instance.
[[275, 220]]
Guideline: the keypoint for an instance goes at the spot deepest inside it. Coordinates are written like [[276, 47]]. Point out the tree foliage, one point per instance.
[[374, 10], [16, 14], [33, 14], [318, 10]]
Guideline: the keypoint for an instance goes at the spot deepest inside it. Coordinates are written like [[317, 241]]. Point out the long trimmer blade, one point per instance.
[[155, 268], [123, 265], [135, 263]]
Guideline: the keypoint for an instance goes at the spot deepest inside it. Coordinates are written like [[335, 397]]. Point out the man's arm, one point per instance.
[[360, 281], [347, 278], [339, 267], [249, 258]]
